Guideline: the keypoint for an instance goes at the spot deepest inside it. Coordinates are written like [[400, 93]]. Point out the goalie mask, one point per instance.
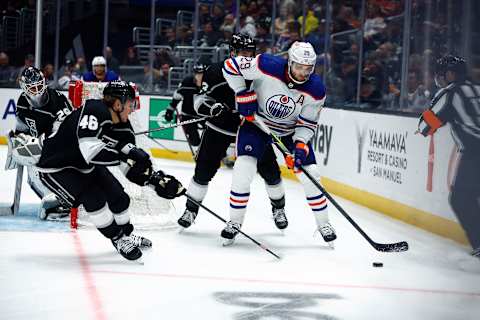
[[301, 61], [34, 86]]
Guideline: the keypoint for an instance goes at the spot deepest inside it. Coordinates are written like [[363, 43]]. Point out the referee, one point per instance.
[[458, 103]]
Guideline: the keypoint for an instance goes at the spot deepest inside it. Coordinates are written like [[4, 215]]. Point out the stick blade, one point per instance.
[[392, 247]]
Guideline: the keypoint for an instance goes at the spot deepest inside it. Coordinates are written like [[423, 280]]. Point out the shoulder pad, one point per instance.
[[272, 65], [313, 87], [98, 109]]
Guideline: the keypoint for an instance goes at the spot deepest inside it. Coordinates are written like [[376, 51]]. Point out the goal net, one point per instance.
[[147, 210]]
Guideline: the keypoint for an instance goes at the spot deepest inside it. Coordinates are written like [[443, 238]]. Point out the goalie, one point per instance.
[[74, 164], [40, 110]]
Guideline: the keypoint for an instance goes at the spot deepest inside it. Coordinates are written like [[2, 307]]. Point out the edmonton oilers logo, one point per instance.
[[280, 106]]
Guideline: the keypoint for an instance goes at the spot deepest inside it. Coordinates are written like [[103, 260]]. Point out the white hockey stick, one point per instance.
[[13, 209]]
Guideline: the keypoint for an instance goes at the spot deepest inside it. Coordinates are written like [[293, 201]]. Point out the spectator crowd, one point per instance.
[[340, 62]]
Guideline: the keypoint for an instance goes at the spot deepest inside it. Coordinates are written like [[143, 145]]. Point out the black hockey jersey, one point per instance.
[[215, 86], [38, 121], [185, 92], [87, 137]]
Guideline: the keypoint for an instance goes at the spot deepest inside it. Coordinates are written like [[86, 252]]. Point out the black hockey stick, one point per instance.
[[384, 247], [186, 136], [173, 125], [160, 144], [225, 221]]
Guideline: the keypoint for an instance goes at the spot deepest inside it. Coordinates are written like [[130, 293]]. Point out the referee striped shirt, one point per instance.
[[459, 105]]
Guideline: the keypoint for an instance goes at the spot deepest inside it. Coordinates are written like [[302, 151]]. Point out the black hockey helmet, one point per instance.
[[120, 90], [33, 84], [199, 68], [242, 41], [452, 63]]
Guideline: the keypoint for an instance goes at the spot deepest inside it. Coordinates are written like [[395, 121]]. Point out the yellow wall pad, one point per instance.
[[397, 210], [3, 140], [173, 155]]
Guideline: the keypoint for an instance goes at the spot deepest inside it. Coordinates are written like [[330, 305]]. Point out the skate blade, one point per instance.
[[228, 242], [331, 245]]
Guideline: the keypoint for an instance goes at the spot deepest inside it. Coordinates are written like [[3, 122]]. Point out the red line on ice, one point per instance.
[[92, 291]]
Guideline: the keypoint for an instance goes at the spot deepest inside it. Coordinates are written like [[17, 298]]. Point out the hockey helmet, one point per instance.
[[242, 42], [452, 63], [199, 68], [99, 61], [301, 53], [120, 90], [33, 84]]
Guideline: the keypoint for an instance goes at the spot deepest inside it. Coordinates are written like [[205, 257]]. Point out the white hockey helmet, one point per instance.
[[99, 61], [301, 53]]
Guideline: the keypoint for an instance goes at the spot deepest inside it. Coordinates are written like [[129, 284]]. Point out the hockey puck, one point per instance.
[[377, 264]]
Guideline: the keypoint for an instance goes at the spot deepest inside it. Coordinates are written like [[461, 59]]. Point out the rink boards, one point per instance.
[[372, 159]]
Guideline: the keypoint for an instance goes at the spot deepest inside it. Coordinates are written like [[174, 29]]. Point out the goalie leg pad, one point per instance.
[[243, 173], [315, 198], [35, 183]]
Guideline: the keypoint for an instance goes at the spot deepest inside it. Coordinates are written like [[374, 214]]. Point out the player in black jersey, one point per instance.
[[74, 164], [218, 100], [40, 110], [189, 87], [458, 103]]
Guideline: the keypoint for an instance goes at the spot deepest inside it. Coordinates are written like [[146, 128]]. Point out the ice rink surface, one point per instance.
[[50, 272]]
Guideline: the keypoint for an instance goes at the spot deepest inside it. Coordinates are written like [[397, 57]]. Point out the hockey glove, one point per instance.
[[140, 172], [132, 154], [169, 114], [26, 150], [247, 103], [217, 109], [301, 153], [166, 186]]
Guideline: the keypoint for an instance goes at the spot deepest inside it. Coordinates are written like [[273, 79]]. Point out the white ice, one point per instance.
[[50, 272]]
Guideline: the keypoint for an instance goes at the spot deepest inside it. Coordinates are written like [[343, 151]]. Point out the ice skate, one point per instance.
[[187, 218], [141, 242], [328, 234], [55, 213], [127, 248], [230, 232], [280, 218]]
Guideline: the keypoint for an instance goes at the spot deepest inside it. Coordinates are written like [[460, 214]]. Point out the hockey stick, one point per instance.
[[173, 125], [160, 144], [186, 136], [384, 247], [13, 209], [225, 221]]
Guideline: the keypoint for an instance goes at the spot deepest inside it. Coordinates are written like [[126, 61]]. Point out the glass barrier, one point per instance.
[[373, 55]]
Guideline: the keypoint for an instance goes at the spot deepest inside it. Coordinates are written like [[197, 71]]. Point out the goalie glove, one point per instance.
[[26, 150], [166, 186]]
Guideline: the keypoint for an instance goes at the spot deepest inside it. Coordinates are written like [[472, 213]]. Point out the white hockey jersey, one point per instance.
[[284, 106]]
